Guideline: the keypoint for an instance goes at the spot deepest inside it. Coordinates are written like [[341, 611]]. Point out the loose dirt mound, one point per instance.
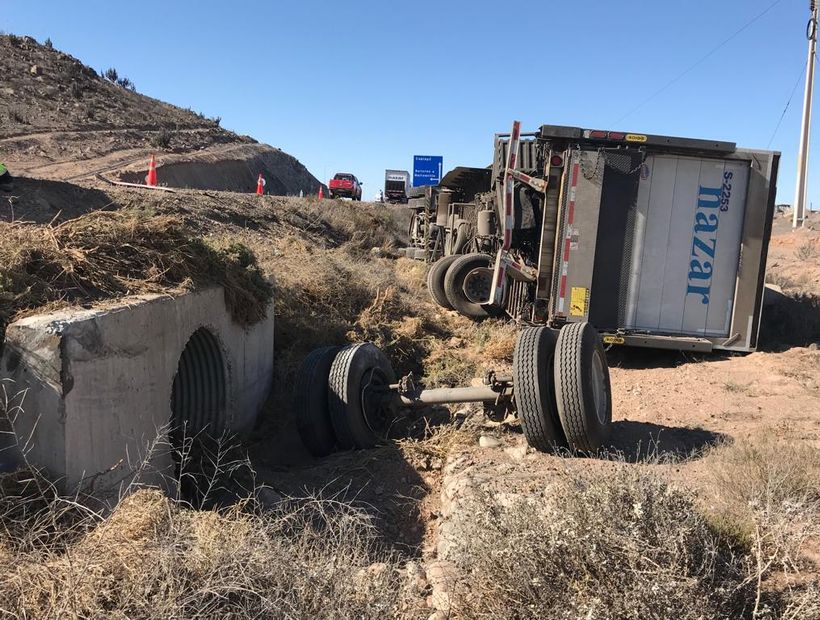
[[60, 120]]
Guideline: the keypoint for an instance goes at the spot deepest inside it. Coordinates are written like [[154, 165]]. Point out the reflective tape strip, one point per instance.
[[499, 276], [509, 183], [568, 237], [572, 187]]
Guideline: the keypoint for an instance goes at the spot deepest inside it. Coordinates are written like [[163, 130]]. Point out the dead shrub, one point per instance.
[[807, 251], [620, 545], [162, 139], [766, 491]]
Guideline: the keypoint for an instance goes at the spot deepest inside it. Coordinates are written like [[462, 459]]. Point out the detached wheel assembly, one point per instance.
[[348, 397], [468, 283], [582, 390], [534, 388], [359, 413], [312, 417], [435, 281]]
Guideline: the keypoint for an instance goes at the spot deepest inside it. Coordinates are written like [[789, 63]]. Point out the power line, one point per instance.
[[697, 63], [788, 103]]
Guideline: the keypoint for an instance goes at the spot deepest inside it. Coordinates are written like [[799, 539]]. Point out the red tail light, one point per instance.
[[557, 161]]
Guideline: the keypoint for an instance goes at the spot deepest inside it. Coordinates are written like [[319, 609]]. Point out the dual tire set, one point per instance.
[[461, 282], [345, 395], [340, 398], [562, 391]]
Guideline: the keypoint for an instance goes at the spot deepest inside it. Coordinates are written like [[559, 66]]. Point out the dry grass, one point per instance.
[[154, 558], [106, 255], [619, 544]]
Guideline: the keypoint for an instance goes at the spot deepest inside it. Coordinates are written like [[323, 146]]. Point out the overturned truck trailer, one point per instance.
[[656, 241]]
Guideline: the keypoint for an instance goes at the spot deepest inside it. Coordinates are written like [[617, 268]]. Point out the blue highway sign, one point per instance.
[[427, 169]]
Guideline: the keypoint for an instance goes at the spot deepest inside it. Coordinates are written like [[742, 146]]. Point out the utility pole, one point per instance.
[[798, 214]]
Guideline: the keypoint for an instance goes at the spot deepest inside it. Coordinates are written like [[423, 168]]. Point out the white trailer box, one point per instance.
[[664, 246]]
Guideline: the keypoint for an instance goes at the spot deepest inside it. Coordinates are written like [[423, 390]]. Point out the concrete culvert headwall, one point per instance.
[[199, 392], [98, 387]]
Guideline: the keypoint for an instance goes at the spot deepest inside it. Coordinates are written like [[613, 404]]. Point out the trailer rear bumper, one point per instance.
[[680, 343]]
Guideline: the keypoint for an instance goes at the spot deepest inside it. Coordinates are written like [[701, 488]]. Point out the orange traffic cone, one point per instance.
[[151, 177], [321, 192], [260, 185]]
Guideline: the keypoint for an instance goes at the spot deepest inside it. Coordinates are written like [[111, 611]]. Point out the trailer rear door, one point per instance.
[[685, 245]]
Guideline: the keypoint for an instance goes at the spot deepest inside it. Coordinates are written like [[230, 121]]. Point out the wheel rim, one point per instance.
[[374, 411], [599, 388], [478, 284]]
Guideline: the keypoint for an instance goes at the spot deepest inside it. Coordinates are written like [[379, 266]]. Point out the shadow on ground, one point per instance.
[[41, 201], [379, 480], [639, 358], [645, 441], [789, 319]]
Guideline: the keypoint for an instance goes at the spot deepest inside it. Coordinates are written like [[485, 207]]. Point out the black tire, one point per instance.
[[311, 405], [454, 285], [581, 372], [435, 281], [534, 388], [355, 367]]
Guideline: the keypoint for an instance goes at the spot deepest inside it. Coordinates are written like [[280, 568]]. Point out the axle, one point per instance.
[[406, 394]]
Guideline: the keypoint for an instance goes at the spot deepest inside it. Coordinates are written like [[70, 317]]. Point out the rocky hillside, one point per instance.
[[61, 120]]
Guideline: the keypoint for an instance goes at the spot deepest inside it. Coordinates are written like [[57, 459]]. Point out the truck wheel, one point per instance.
[[465, 299], [358, 376], [312, 415], [435, 281], [534, 388], [582, 390]]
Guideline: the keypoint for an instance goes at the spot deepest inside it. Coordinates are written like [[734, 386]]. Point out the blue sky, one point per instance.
[[363, 86]]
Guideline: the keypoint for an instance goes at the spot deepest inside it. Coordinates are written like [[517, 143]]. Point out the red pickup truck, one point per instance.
[[345, 185]]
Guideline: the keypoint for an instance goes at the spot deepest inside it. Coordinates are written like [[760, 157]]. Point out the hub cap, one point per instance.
[[478, 285]]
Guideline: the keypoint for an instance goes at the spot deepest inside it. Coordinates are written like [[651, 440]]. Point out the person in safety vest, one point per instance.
[[6, 184]]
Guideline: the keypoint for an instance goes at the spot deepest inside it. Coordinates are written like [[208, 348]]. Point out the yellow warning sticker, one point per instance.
[[614, 340], [578, 301], [635, 137]]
